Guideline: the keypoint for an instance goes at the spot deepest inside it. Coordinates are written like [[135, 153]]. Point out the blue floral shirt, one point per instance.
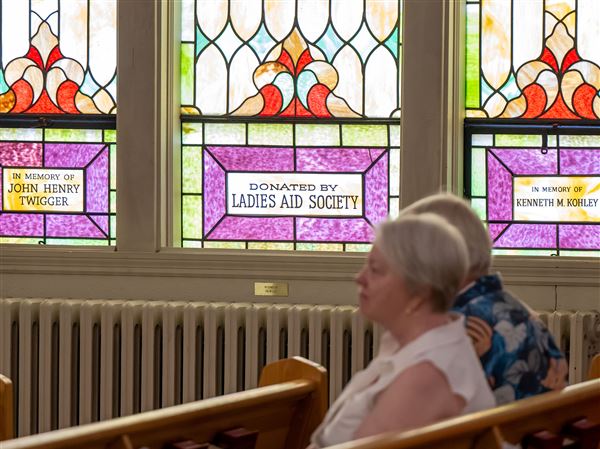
[[518, 354]]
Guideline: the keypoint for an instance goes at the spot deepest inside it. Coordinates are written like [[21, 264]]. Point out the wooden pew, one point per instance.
[[489, 429], [6, 408], [290, 402], [594, 371]]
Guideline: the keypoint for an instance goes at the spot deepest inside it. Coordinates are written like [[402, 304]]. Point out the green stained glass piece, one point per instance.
[[191, 244], [317, 135], [518, 140], [320, 247], [486, 91], [201, 41], [262, 43], [113, 202], [482, 140], [225, 133], [225, 245], [113, 167], [73, 135], [579, 141], [191, 133], [358, 135], [552, 141], [510, 90], [472, 57], [187, 74], [3, 86], [479, 205], [21, 134], [580, 253], [113, 227], [277, 246], [392, 43], [478, 184], [79, 242], [523, 252], [330, 43], [20, 240], [270, 134], [110, 136], [192, 216], [191, 162], [358, 247]]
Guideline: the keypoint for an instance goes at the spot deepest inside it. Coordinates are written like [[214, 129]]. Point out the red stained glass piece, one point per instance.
[[290, 111], [54, 56], [559, 110], [286, 60], [24, 94], [66, 97], [44, 106], [570, 58], [305, 58], [549, 59], [273, 100], [317, 100], [583, 101], [301, 111], [35, 56], [536, 100]]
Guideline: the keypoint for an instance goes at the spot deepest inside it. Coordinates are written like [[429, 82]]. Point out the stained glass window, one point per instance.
[[57, 186], [533, 59], [57, 122], [290, 123], [532, 133], [58, 57]]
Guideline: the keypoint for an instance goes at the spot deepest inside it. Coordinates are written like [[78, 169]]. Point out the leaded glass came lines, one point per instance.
[[58, 57], [291, 58]]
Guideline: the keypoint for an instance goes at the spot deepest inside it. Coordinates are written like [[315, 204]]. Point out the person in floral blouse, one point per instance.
[[519, 356]]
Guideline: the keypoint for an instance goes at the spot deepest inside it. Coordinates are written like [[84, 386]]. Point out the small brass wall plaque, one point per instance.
[[270, 289]]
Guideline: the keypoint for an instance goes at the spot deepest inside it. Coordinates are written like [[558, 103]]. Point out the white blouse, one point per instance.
[[447, 347]]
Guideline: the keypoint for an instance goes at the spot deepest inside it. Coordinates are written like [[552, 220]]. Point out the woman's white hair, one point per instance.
[[459, 214], [429, 253]]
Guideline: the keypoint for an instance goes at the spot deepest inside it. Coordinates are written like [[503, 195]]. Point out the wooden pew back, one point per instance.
[[6, 408], [488, 429], [285, 409]]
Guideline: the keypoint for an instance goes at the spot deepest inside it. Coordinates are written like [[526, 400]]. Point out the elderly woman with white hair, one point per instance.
[[518, 354], [426, 369]]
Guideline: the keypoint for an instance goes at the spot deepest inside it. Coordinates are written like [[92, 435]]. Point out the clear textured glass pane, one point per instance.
[[358, 248], [478, 178], [482, 140], [579, 141], [21, 134], [317, 135], [225, 245], [479, 206], [191, 133], [192, 244], [225, 133]]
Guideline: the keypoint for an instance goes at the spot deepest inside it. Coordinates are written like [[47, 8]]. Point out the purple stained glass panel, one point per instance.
[[88, 163], [579, 236], [499, 190], [368, 166], [524, 162], [580, 162], [528, 236], [503, 164]]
